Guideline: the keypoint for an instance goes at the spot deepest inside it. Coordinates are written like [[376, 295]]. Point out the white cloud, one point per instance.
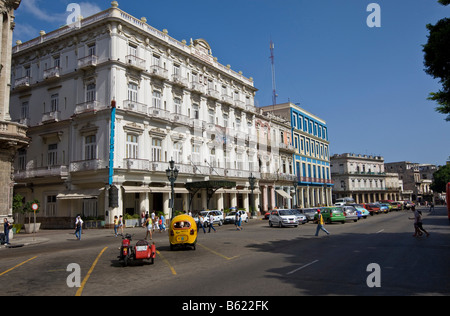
[[24, 32], [36, 8], [88, 9]]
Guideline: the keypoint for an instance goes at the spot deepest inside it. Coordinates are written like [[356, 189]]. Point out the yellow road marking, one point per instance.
[[216, 253], [17, 266], [80, 290], [167, 262]]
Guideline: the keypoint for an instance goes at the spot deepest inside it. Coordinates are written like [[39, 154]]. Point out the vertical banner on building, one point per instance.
[[111, 142]]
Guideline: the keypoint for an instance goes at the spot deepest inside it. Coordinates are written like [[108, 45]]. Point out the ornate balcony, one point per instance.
[[135, 62], [51, 73], [23, 82], [90, 106], [159, 72], [87, 62], [50, 117], [180, 81]]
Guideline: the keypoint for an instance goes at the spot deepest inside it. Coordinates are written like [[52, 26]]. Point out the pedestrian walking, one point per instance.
[[201, 221], [78, 227], [143, 218], [211, 223], [320, 224], [418, 228], [121, 224], [149, 225], [238, 221], [154, 221], [116, 225], [162, 224], [6, 227], [431, 206]]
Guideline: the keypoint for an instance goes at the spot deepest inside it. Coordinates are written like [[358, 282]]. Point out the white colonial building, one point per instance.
[[109, 101], [364, 178]]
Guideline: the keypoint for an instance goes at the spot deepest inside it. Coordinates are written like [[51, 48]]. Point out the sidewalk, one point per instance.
[[62, 235], [43, 236]]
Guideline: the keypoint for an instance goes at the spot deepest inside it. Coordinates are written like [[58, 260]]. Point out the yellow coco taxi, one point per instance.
[[183, 232]]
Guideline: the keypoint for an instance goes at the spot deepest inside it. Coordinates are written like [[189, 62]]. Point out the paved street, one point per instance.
[[258, 261]]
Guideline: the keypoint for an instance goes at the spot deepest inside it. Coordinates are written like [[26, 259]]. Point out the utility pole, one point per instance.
[[274, 87]]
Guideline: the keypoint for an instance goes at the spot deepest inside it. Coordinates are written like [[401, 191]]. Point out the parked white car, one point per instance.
[[231, 216], [282, 218], [217, 217]]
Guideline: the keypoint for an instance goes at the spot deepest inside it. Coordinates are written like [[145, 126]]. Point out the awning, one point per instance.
[[79, 194], [283, 194], [143, 189], [135, 189], [167, 189]]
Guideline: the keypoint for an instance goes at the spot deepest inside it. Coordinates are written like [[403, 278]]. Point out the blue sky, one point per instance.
[[367, 83]]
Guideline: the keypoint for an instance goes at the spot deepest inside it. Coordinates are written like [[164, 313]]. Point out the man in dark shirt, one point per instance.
[[6, 227]]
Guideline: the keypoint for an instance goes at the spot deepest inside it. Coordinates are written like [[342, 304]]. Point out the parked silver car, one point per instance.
[[282, 218], [309, 213], [300, 216], [350, 213]]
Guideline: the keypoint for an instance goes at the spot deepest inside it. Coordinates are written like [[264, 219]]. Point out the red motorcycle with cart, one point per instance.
[[142, 251]]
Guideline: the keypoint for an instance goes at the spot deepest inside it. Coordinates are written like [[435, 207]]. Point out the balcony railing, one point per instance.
[[198, 87], [180, 119], [22, 82], [135, 62], [88, 165], [51, 117], [213, 94], [51, 73], [50, 171], [87, 62], [240, 104], [315, 180], [136, 164], [90, 106], [227, 99], [287, 147], [135, 106], [159, 72], [180, 81], [158, 113]]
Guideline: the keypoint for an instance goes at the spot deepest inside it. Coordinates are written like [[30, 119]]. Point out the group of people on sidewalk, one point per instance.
[[153, 222]]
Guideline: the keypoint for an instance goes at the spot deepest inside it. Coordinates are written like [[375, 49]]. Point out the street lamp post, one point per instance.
[[251, 180], [172, 175]]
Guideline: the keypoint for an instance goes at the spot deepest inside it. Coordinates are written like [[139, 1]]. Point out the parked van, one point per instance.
[[344, 201]]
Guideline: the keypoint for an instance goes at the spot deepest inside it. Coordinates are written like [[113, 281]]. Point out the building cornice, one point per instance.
[[114, 14]]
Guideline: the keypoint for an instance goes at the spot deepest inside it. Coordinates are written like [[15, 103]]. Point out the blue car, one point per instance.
[[384, 207], [361, 211]]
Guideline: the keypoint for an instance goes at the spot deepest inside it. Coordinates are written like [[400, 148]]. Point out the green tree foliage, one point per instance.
[[437, 61], [440, 179]]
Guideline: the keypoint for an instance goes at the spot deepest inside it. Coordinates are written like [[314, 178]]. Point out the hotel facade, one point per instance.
[[110, 100]]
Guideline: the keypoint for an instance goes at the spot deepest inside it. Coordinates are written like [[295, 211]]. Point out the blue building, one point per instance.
[[312, 154]]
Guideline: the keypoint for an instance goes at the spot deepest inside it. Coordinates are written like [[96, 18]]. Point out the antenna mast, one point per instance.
[[272, 58]]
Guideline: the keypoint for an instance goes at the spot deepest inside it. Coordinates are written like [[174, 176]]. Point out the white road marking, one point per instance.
[[302, 267]]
